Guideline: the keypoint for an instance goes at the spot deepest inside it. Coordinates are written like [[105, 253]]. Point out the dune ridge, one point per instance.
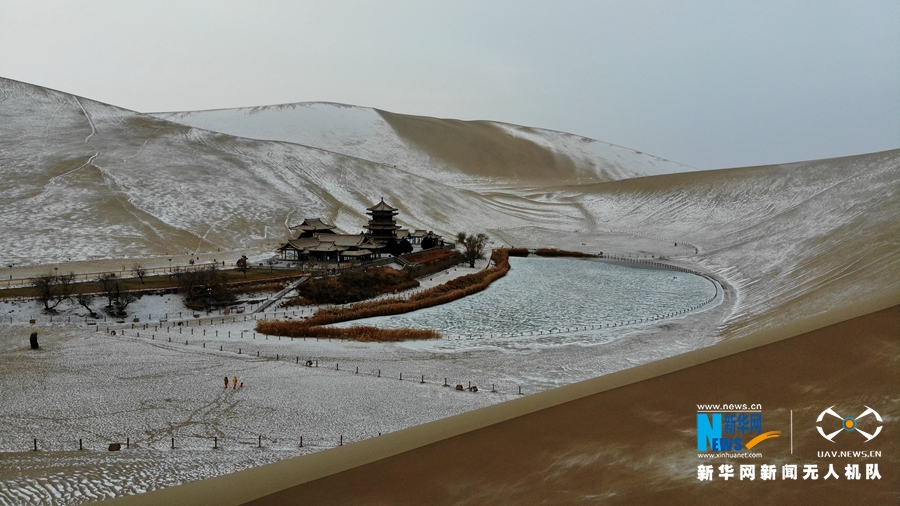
[[90, 180]]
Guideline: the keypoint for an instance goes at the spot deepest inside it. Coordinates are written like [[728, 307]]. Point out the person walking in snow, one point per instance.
[[234, 383], [226, 381]]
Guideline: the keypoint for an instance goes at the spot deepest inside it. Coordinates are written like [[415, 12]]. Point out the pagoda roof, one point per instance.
[[313, 224], [345, 240], [301, 244], [331, 242], [381, 206]]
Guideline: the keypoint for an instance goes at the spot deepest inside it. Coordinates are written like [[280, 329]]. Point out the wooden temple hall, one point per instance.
[[318, 242]]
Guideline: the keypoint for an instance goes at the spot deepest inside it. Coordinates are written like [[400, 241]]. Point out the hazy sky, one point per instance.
[[707, 83]]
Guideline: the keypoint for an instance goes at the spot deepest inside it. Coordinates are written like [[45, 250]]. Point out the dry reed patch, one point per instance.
[[441, 294], [290, 328], [353, 286], [258, 288], [553, 252], [452, 290], [430, 255]]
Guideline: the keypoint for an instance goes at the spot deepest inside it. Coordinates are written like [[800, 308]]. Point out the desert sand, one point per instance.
[[797, 247], [624, 438]]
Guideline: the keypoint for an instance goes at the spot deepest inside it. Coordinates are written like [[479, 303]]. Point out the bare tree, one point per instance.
[[139, 270], [45, 284], [110, 286], [205, 288], [473, 246], [66, 284], [116, 299], [53, 288], [122, 301], [85, 300]]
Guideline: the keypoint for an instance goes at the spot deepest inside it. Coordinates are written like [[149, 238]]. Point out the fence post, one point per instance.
[[259, 443], [215, 443], [80, 447], [173, 443]]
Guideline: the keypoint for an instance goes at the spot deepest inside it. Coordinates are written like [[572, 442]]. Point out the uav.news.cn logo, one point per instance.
[[849, 424]]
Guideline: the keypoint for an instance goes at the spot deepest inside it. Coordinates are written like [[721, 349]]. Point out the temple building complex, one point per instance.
[[319, 245]]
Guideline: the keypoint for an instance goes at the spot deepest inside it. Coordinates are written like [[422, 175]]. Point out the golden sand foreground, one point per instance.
[[625, 438]]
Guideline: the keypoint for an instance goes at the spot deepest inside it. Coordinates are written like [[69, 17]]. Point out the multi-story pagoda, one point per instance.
[[382, 226]]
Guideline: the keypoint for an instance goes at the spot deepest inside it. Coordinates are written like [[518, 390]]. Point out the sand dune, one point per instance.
[[89, 180], [147, 186], [624, 438], [796, 246], [795, 240], [464, 153]]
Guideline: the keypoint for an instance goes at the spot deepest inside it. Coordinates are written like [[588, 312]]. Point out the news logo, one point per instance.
[[730, 430], [849, 424]]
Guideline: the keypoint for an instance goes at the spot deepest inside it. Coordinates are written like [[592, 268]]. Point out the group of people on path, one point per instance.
[[234, 383]]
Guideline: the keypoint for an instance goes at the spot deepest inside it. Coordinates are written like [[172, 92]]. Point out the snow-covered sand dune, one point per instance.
[[451, 151], [85, 180], [795, 240], [88, 180]]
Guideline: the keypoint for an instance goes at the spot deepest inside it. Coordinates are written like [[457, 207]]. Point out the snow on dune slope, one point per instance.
[[795, 240], [452, 151], [88, 180]]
